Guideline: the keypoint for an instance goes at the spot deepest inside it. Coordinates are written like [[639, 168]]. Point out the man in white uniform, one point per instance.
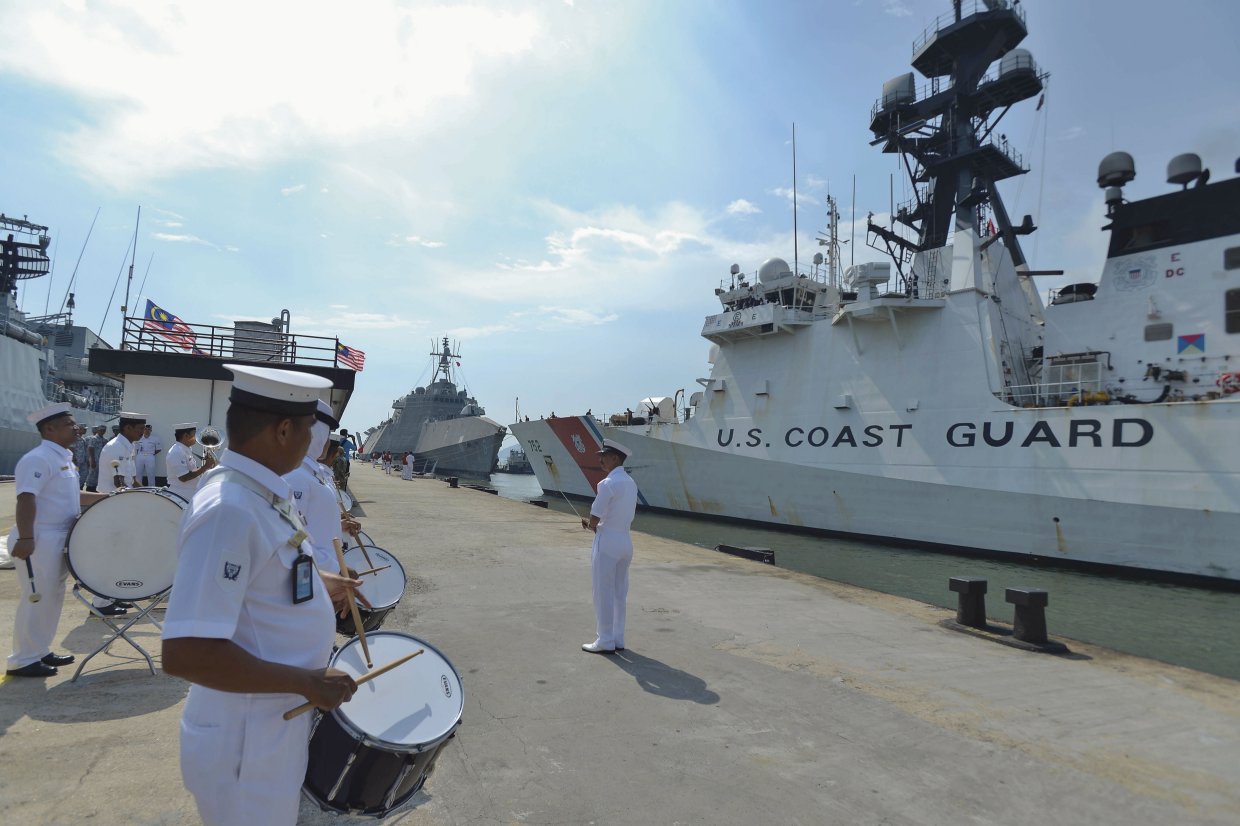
[[147, 448], [250, 621], [48, 502], [183, 466], [116, 472], [314, 493], [610, 518]]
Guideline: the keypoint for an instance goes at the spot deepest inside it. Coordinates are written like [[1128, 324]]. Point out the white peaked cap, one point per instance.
[[326, 415], [125, 416], [185, 426], [51, 411], [287, 392], [608, 444]]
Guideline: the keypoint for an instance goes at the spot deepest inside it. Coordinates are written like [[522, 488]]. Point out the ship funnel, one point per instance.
[[1116, 169], [1184, 169]]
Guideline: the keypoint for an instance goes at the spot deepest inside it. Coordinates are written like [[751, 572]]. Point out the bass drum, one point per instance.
[[125, 547], [375, 752], [383, 588]]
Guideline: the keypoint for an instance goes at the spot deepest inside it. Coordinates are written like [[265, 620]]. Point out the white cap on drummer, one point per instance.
[[287, 392], [125, 416], [51, 411], [185, 426]]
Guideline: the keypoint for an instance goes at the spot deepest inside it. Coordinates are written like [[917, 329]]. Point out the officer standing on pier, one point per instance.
[[48, 502], [250, 620], [610, 517], [148, 447]]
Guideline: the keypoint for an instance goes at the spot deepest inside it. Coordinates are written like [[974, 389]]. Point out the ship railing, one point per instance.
[[968, 8], [222, 342], [920, 93], [1055, 394]]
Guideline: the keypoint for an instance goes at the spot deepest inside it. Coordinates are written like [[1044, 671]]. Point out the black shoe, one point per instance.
[[112, 611], [57, 659], [125, 605], [35, 669]]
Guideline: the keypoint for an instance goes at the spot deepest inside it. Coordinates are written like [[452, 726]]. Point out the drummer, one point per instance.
[[48, 502], [249, 622], [183, 466], [117, 469]]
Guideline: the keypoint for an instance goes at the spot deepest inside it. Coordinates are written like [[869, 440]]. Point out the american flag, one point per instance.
[[160, 321], [350, 357]]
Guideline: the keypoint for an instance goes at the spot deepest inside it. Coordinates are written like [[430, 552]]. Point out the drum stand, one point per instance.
[[118, 629]]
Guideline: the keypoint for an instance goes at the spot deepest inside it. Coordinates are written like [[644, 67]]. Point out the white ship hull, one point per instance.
[[468, 445]]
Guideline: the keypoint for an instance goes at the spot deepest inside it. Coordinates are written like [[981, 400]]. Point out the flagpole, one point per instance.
[[129, 281]]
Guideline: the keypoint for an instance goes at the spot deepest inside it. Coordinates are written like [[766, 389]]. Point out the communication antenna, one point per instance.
[[795, 247], [852, 225]]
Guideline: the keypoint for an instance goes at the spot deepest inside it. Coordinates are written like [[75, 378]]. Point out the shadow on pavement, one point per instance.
[[662, 679]]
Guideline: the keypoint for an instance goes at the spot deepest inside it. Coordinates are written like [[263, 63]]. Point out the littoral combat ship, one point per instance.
[[443, 426], [934, 399]]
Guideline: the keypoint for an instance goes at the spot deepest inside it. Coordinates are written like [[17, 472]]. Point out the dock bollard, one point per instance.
[[970, 601], [453, 482], [1029, 624]]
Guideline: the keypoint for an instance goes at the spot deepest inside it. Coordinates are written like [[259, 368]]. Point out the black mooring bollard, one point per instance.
[[1029, 624], [453, 482], [971, 600]]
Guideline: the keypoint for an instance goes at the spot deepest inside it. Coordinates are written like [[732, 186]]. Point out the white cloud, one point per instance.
[[183, 85], [182, 239], [1071, 133], [896, 8], [414, 240], [742, 207], [552, 317], [290, 190], [803, 198], [483, 331]]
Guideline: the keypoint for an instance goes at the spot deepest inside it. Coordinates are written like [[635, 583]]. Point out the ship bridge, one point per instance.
[[777, 301]]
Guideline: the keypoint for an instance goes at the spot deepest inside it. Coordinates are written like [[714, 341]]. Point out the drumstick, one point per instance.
[[348, 596], [359, 542], [373, 570], [365, 678], [35, 596]]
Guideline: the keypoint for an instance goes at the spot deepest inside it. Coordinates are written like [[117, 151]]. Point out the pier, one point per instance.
[[748, 694]]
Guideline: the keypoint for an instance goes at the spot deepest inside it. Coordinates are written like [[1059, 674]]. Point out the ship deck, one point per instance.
[[748, 694]]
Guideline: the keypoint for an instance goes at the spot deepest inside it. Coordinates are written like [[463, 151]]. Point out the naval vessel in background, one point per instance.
[[935, 399], [442, 425]]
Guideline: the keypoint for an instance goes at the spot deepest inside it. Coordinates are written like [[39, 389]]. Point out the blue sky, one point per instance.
[[558, 185]]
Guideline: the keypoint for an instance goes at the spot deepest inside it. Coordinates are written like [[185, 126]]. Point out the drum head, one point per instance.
[[363, 538], [383, 588], [416, 704], [125, 546], [346, 501]]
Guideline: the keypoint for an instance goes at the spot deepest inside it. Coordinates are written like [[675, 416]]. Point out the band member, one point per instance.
[[250, 622], [147, 448], [48, 502], [117, 470], [610, 518], [184, 469]]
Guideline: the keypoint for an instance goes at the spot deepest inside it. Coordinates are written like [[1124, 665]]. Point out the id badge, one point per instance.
[[303, 579]]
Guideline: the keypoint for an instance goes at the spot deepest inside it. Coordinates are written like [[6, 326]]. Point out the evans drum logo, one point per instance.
[[447, 686], [128, 583]]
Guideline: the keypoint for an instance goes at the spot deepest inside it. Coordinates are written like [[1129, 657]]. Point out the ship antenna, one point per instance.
[[129, 281], [795, 248], [852, 225]]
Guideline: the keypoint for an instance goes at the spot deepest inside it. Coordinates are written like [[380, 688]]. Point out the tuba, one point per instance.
[[210, 440]]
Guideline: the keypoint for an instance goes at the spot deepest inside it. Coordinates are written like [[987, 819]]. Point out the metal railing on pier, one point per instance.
[[249, 344]]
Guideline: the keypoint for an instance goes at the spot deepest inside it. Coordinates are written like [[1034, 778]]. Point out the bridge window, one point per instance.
[[1231, 258], [1231, 311], [1157, 332]]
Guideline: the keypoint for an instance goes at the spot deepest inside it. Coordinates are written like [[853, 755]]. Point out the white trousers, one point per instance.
[[146, 469], [34, 627], [240, 760], [613, 551]]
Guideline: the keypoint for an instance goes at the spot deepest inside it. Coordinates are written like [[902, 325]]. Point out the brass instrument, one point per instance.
[[210, 439]]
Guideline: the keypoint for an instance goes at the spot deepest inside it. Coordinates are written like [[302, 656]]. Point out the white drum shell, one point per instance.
[[410, 708], [125, 547]]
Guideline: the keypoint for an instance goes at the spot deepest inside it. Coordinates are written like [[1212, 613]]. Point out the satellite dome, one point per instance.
[[1184, 169], [1116, 169], [773, 268]]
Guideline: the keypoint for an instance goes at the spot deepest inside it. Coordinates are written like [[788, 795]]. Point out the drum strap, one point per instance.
[[281, 506]]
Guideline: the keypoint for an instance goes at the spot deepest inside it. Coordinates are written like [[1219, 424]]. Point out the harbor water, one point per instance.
[[1192, 627]]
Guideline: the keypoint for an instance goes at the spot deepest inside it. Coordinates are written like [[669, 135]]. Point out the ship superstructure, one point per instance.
[[935, 399]]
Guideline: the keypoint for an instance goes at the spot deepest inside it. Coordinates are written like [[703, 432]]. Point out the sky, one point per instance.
[[558, 186]]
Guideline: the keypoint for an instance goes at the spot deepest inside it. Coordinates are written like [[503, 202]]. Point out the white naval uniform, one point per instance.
[[314, 495], [47, 471], [181, 460], [242, 762], [615, 505], [119, 450], [406, 472], [146, 448]]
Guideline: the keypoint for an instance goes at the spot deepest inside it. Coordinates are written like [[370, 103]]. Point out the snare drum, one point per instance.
[[362, 538], [383, 588], [372, 754], [125, 547]]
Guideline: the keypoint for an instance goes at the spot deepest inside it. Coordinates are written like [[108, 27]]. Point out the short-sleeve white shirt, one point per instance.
[[48, 472], [234, 577], [119, 450], [616, 502], [314, 495], [181, 460]]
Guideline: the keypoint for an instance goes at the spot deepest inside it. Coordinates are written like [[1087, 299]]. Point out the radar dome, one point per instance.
[[1116, 169], [773, 268], [1184, 169]]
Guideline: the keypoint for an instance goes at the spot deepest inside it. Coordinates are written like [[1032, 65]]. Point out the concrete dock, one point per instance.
[[748, 695]]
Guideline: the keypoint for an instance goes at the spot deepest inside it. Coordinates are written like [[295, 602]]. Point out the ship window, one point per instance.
[[1157, 332], [1231, 314], [1231, 258]]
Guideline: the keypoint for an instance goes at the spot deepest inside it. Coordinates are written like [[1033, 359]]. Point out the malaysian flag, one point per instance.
[[160, 321], [350, 357]]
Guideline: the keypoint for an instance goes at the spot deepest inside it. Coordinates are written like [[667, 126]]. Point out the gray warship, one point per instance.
[[442, 425]]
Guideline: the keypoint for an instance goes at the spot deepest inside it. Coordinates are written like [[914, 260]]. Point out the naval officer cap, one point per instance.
[[620, 450], [324, 414], [51, 411], [126, 417], [286, 392], [184, 426]]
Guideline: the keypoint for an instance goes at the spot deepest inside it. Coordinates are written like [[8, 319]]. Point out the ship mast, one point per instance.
[[943, 133]]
